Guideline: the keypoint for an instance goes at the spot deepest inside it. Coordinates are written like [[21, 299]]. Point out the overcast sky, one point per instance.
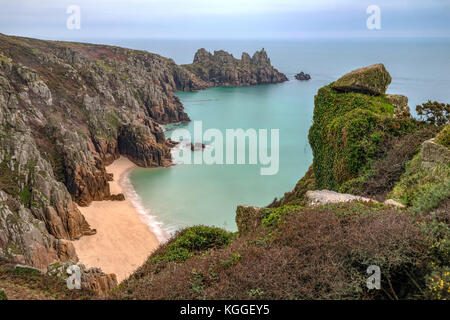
[[227, 19]]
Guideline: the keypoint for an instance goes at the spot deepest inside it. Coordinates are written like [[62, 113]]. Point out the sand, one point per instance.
[[123, 240]]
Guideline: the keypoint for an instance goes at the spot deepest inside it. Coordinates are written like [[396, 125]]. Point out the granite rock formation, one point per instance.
[[66, 111], [222, 69], [303, 76]]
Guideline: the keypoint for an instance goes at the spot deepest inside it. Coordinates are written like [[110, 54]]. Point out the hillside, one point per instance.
[[298, 249]]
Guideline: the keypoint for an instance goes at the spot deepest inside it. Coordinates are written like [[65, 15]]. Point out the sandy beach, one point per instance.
[[123, 240]]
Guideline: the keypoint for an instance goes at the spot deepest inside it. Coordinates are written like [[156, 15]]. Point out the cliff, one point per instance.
[[318, 244], [222, 69], [66, 111]]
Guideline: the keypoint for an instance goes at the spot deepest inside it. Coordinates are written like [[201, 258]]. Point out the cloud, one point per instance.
[[222, 19]]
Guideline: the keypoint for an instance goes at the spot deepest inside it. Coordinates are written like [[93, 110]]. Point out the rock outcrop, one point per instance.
[[92, 279], [303, 76], [434, 154], [352, 118], [400, 103], [222, 69], [318, 197], [66, 111], [372, 80]]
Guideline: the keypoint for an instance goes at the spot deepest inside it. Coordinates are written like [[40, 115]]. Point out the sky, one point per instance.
[[226, 19]]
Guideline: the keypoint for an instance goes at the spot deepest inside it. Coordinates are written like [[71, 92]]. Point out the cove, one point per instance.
[[186, 195]]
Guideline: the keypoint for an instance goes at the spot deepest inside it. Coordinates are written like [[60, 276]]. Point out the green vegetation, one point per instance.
[[443, 137], [423, 188], [434, 112], [3, 295], [315, 253], [192, 240], [106, 66], [347, 133]]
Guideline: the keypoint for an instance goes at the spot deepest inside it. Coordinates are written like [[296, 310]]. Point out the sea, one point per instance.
[[189, 194]]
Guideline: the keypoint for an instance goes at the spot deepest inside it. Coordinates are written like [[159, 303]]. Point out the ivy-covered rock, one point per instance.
[[349, 127]]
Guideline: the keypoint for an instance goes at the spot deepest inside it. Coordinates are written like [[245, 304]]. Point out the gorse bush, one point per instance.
[[434, 112]]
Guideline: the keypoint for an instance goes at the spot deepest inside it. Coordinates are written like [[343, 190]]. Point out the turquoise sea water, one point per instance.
[[185, 195]]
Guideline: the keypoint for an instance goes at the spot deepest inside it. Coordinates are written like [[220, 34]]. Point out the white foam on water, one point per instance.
[[162, 234]]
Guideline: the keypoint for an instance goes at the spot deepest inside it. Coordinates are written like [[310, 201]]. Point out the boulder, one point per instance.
[[373, 80], [197, 146], [434, 154], [93, 279], [318, 197], [391, 202]]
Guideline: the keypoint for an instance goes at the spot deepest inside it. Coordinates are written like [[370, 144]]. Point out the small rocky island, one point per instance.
[[222, 69], [302, 76]]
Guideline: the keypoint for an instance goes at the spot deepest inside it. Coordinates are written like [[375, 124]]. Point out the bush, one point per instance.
[[434, 112], [313, 253], [3, 295], [422, 188], [193, 239], [443, 137]]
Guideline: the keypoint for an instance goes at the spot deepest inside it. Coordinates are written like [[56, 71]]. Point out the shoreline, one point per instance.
[[123, 240]]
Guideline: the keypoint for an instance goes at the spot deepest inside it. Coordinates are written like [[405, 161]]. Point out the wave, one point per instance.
[[155, 226]]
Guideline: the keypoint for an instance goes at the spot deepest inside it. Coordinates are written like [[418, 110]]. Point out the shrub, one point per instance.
[[315, 253], [443, 137], [434, 112], [3, 295], [386, 169], [194, 239], [422, 188]]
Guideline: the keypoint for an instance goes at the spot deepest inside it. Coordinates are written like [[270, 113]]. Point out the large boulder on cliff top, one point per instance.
[[372, 80]]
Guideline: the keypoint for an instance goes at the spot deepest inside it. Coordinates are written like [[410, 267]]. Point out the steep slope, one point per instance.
[[222, 69]]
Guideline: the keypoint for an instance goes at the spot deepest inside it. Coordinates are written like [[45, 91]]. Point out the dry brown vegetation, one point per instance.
[[314, 253]]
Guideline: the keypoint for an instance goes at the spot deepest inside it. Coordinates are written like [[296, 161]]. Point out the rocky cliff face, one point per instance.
[[66, 111], [69, 109], [222, 69]]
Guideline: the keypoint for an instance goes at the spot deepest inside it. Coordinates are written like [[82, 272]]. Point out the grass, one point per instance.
[[420, 188]]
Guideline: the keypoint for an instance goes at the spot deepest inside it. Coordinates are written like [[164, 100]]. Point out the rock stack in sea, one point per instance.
[[222, 69], [302, 76]]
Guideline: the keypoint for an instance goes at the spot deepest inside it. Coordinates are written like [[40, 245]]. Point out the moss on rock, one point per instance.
[[372, 80]]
